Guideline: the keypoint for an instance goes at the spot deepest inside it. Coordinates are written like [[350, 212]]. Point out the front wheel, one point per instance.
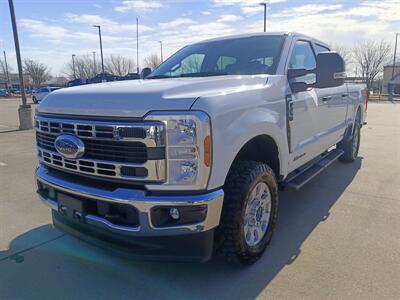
[[249, 213], [351, 146]]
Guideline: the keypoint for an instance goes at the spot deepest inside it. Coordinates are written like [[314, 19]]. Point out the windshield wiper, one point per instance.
[[159, 76], [198, 74], [203, 74]]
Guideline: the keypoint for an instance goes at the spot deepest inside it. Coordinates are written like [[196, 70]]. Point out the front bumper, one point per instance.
[[143, 203]]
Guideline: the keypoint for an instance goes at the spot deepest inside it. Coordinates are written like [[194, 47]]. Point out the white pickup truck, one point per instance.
[[188, 161]]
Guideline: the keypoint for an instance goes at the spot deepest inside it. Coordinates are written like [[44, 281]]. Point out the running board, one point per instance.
[[299, 179]]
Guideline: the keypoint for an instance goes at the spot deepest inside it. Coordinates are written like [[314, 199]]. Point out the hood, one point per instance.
[[135, 98]]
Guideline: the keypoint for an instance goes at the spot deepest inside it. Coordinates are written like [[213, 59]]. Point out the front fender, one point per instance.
[[238, 119]]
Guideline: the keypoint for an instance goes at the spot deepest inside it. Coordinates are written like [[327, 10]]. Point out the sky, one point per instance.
[[52, 30]]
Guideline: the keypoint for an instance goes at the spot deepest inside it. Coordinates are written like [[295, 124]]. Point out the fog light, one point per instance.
[[174, 213]]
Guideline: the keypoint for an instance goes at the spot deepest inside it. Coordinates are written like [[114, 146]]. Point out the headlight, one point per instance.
[[188, 139]]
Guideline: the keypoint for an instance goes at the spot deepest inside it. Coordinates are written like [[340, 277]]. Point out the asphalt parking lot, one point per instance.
[[337, 238]]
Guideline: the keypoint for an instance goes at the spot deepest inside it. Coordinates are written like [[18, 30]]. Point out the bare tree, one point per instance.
[[119, 65], [152, 61], [84, 67], [3, 69], [37, 71], [369, 58]]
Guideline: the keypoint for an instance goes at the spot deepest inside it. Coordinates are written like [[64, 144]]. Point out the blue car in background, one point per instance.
[[3, 93]]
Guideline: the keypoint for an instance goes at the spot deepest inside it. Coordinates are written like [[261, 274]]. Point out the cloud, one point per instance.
[[107, 24], [336, 23], [97, 5], [308, 9], [229, 18], [206, 13], [243, 3], [248, 7], [40, 28], [61, 35], [138, 6], [251, 10], [176, 23]]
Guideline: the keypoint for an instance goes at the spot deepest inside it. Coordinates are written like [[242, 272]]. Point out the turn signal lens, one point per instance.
[[207, 151]]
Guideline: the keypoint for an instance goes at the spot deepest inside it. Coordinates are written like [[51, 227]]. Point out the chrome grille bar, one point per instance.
[[152, 170], [150, 133]]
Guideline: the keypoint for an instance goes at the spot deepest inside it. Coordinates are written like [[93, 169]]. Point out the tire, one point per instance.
[[351, 146], [34, 100], [231, 241]]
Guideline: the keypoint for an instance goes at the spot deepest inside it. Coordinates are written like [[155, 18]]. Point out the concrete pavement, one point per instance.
[[337, 238]]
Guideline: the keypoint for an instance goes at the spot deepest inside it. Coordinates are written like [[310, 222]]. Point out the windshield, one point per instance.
[[240, 56]]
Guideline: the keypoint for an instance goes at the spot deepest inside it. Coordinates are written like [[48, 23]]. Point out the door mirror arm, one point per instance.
[[298, 87]]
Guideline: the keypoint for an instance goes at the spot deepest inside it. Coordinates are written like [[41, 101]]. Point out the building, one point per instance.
[[391, 84], [14, 81]]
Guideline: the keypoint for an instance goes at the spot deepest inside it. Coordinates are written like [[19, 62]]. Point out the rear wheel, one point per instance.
[[351, 146], [249, 214]]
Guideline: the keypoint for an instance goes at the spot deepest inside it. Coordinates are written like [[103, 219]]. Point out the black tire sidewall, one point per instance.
[[357, 128]]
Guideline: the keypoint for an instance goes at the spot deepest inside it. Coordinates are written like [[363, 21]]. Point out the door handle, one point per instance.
[[344, 95], [326, 98]]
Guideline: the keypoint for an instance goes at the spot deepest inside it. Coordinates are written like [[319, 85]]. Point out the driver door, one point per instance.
[[303, 109]]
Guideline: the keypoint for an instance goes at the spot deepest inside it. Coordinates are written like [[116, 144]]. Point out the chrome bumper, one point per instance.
[[141, 202]]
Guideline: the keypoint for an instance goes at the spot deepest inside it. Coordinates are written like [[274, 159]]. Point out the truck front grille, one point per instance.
[[129, 151], [118, 151]]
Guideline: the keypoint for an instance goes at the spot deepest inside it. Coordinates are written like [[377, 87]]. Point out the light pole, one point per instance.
[[94, 63], [101, 51], [6, 65], [24, 110], [265, 15], [394, 56], [73, 65], [162, 60], [137, 45]]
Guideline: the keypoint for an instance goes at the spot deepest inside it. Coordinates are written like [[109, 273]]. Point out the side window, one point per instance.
[[190, 64], [303, 58], [266, 61], [320, 48], [225, 61]]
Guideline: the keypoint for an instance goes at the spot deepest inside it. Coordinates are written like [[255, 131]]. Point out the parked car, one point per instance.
[[187, 162], [130, 76], [102, 78], [3, 93], [41, 93], [77, 81]]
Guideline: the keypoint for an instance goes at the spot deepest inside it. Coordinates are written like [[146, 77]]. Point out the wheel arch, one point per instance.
[[262, 148]]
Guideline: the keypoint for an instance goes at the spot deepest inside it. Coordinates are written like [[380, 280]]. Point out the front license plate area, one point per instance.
[[71, 207]]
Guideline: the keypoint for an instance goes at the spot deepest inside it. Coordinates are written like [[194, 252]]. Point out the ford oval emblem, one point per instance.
[[69, 146]]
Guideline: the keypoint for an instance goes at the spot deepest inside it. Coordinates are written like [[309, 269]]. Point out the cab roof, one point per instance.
[[276, 33]]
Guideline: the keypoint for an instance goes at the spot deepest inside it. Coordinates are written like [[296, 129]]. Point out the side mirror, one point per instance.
[[298, 87], [330, 71], [145, 72], [293, 73]]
